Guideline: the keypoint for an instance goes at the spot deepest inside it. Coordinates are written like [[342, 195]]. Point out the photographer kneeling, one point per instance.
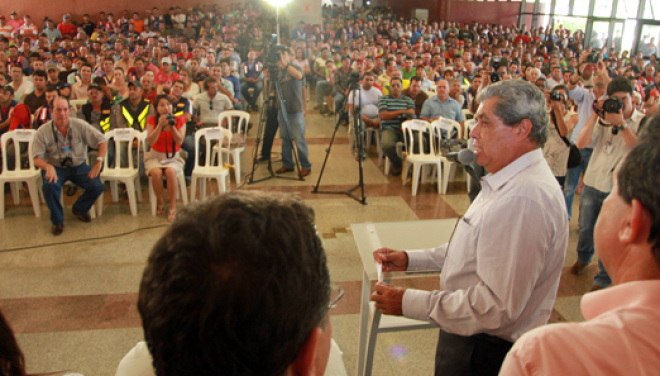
[[165, 134], [562, 122], [612, 129]]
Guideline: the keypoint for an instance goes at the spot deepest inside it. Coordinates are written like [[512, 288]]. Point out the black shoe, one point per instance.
[[56, 230], [81, 217], [283, 170], [396, 171]]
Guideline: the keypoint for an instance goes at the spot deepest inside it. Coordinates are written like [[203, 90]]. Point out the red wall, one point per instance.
[[38, 9], [501, 13], [403, 8], [504, 13]]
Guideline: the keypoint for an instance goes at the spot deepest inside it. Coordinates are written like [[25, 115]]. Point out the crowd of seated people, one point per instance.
[[99, 58]]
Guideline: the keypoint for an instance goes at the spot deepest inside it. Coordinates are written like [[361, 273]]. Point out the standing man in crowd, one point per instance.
[[612, 134], [394, 109], [499, 278], [623, 321], [60, 151], [291, 80]]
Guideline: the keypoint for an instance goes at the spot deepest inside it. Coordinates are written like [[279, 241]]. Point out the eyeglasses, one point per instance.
[[395, 85], [336, 293]]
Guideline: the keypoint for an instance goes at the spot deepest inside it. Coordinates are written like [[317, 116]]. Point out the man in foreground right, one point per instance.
[[620, 336]]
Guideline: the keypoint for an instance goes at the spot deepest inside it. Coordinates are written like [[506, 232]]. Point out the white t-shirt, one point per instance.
[[368, 101]]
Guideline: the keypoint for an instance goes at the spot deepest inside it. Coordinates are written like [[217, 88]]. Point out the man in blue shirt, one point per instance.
[[225, 64], [442, 106]]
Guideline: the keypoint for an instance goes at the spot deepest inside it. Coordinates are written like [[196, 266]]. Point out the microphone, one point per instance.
[[463, 156]]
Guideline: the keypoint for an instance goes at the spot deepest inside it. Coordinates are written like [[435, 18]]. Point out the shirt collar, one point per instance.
[[499, 179], [639, 293]]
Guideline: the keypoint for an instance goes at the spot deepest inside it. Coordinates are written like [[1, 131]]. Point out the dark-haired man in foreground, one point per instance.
[[215, 299]]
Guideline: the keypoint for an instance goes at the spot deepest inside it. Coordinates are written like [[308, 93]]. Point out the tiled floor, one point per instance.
[[71, 299]]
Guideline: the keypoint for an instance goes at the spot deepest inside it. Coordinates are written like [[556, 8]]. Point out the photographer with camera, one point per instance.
[[165, 134], [562, 122], [60, 150], [612, 129], [291, 82]]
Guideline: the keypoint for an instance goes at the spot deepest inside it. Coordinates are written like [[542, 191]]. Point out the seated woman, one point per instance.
[[165, 133]]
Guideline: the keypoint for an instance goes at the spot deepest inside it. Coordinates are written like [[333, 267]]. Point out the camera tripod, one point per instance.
[[358, 130]]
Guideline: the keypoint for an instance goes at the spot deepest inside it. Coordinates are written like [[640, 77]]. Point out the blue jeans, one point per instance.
[[573, 179], [388, 140], [258, 88], [297, 129], [591, 202], [339, 101], [93, 189], [189, 146], [323, 88]]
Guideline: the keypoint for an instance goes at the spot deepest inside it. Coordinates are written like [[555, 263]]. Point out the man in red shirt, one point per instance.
[[166, 76], [66, 27]]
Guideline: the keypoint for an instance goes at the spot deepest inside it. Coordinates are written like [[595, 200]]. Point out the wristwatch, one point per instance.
[[99, 159], [621, 128]]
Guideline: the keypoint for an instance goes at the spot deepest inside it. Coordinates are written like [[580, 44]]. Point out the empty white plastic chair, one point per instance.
[[129, 175], [237, 123], [30, 176], [413, 135], [210, 169]]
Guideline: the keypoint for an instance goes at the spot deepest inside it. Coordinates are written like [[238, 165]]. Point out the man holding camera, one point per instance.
[[291, 81], [60, 150], [612, 129]]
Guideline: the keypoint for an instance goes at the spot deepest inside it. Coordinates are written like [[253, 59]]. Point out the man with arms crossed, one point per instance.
[[500, 273]]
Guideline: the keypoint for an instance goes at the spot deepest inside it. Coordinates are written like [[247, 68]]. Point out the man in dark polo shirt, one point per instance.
[[394, 109], [37, 98], [415, 93]]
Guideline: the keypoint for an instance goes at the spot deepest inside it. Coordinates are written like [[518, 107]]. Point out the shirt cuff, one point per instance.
[[416, 260], [415, 304]]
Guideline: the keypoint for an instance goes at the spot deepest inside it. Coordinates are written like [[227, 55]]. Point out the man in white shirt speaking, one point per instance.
[[500, 272]]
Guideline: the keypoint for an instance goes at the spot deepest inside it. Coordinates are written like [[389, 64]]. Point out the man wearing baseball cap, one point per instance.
[[166, 76]]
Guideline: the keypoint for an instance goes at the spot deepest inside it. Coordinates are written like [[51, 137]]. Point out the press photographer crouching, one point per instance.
[[165, 134], [60, 149], [612, 129], [562, 122]]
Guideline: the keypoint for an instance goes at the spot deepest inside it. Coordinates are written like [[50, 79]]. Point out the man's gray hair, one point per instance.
[[518, 100]]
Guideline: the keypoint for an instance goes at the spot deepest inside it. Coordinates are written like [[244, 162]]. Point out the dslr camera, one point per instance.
[[556, 96], [611, 105], [171, 120]]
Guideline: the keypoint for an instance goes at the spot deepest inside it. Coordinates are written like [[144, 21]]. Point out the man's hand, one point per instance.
[[616, 119], [392, 261], [389, 299], [51, 174], [95, 171]]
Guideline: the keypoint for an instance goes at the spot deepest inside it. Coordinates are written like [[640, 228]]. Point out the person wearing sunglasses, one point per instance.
[[208, 105], [212, 302]]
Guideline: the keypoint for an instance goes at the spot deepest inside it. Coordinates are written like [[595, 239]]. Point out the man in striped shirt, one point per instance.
[[394, 109]]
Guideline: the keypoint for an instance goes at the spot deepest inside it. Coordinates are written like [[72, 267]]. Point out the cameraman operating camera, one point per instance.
[[290, 78], [612, 129]]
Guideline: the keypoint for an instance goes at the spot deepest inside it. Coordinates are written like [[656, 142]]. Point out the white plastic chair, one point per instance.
[[414, 130], [129, 176], [448, 167], [31, 176], [237, 151], [210, 170], [183, 192]]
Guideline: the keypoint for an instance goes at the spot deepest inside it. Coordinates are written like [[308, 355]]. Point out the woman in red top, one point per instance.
[[165, 136]]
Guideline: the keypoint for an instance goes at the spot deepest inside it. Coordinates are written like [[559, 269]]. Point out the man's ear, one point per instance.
[[636, 228], [524, 129], [305, 362]]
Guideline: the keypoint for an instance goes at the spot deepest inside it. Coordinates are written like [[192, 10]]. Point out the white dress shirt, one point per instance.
[[500, 273]]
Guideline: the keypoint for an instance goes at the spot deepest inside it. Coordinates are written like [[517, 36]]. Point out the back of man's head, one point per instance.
[[234, 287], [639, 179]]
